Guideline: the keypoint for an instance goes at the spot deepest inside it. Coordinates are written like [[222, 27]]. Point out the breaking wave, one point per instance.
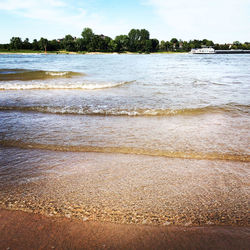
[[48, 86], [29, 75], [230, 108], [127, 150]]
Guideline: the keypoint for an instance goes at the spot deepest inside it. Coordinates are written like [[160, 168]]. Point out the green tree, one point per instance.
[[169, 46], [162, 46], [26, 44], [134, 37], [137, 39], [148, 46], [207, 43], [237, 45], [5, 46], [80, 45], [144, 37], [195, 44], [144, 34], [53, 45], [69, 43], [122, 43], [186, 46], [112, 46], [35, 45], [88, 37], [16, 43], [246, 46], [105, 45], [95, 44], [175, 43], [43, 43], [155, 45]]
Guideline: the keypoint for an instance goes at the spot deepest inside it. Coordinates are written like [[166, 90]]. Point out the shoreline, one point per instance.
[[85, 53], [23, 230], [182, 192]]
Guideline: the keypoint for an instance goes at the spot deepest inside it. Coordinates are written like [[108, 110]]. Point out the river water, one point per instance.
[[161, 138]]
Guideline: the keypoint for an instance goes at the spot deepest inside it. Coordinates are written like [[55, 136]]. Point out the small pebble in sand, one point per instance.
[[167, 223], [85, 218]]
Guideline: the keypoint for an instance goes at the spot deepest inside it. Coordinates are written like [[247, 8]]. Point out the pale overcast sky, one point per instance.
[[218, 20]]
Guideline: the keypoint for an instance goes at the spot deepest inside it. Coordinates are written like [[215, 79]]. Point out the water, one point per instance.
[[90, 135]]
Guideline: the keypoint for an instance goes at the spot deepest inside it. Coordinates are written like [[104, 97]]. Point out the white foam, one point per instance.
[[53, 85], [51, 73]]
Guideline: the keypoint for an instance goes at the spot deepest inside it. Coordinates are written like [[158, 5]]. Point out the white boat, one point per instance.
[[203, 51]]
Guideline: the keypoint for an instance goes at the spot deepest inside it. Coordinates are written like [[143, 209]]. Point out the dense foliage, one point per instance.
[[136, 41]]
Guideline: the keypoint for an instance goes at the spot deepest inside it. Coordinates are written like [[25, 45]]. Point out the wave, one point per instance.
[[29, 75], [72, 86], [127, 150], [239, 109]]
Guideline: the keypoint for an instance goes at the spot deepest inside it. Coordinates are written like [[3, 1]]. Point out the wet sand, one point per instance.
[[126, 189], [21, 230]]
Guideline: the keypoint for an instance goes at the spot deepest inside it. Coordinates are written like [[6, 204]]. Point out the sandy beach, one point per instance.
[[124, 152], [128, 189], [21, 230]]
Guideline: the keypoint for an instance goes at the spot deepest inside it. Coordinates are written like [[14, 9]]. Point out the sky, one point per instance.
[[222, 21]]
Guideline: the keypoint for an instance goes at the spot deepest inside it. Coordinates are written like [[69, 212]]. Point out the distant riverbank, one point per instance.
[[6, 52]]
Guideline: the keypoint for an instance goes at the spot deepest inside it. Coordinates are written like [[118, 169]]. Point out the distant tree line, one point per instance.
[[136, 41]]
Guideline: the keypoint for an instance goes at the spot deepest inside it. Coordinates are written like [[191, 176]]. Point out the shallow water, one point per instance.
[[175, 116]]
